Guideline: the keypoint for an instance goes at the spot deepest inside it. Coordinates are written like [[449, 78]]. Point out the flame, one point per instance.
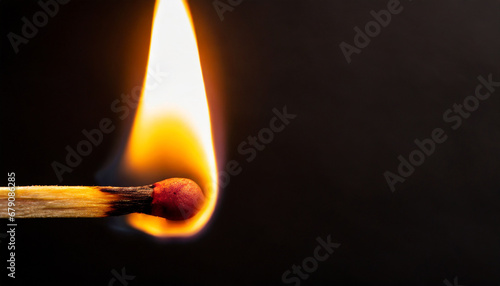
[[171, 135]]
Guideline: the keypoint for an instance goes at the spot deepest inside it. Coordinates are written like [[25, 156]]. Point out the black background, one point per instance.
[[323, 175]]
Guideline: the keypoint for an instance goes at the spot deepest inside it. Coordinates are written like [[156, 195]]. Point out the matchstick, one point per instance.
[[173, 199]]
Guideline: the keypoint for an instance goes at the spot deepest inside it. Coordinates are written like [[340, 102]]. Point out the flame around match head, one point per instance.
[[171, 135]]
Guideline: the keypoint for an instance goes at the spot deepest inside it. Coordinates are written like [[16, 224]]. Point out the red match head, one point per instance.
[[176, 199]]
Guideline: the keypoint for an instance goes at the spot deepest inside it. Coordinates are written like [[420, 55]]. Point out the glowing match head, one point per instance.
[[176, 199]]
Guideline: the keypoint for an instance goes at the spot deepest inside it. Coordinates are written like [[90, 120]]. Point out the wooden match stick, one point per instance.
[[173, 199]]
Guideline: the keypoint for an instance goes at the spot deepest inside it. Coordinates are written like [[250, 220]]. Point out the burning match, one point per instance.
[[173, 199], [171, 134]]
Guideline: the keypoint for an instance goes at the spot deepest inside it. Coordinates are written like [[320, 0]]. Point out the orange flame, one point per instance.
[[171, 135]]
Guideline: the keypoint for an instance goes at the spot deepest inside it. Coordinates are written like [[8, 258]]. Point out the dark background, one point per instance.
[[323, 175]]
